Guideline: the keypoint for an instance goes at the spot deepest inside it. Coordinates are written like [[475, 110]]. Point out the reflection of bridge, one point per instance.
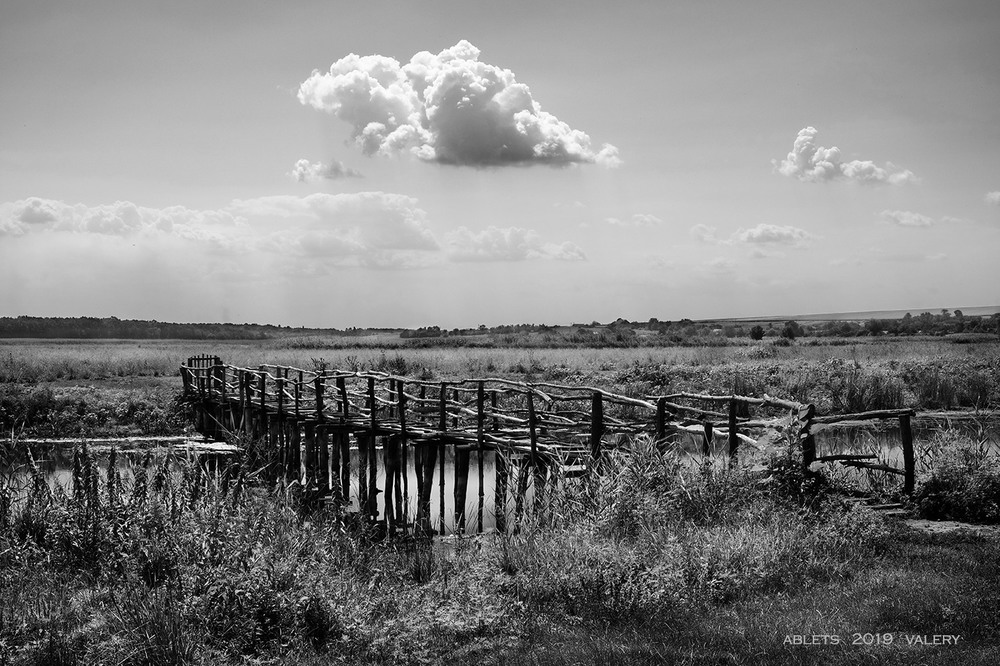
[[541, 431]]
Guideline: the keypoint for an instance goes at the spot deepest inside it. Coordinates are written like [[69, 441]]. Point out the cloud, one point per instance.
[[305, 171], [449, 108], [771, 234], [720, 266], [509, 244], [703, 233], [905, 218], [121, 218], [375, 229], [813, 163], [637, 220], [762, 234], [993, 198]]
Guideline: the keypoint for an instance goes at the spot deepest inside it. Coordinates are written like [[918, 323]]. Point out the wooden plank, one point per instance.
[[734, 439], [873, 466], [865, 416], [845, 456], [909, 464]]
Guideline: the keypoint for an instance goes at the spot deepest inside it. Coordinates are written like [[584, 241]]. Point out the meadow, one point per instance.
[[102, 388], [653, 561]]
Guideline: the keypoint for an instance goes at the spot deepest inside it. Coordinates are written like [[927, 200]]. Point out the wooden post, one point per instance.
[[244, 399], [342, 439], [442, 426], [343, 442], [293, 442], [363, 447], [461, 490], [274, 443], [373, 452], [403, 462], [262, 400], [596, 428], [336, 487], [481, 441], [309, 453], [319, 386], [219, 370], [808, 441], [706, 445], [500, 474], [321, 445], [909, 465], [734, 440], [537, 467], [322, 442], [661, 419]]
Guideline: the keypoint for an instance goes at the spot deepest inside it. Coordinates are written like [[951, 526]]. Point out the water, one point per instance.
[[55, 460]]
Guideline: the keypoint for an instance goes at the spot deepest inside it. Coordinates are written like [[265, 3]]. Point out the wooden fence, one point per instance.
[[536, 433]]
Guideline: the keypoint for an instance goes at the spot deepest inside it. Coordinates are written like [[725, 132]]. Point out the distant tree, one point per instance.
[[757, 333], [791, 330]]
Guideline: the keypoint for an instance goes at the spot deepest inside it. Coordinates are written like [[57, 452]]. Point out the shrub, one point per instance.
[[963, 483]]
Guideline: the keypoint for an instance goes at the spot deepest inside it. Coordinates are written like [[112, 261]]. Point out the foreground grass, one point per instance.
[[654, 562]]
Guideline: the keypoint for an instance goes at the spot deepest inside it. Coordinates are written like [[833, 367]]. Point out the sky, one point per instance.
[[386, 164]]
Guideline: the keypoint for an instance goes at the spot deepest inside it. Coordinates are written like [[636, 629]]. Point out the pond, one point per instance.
[[55, 460]]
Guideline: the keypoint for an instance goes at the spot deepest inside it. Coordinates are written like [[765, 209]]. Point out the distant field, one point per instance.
[[978, 311]]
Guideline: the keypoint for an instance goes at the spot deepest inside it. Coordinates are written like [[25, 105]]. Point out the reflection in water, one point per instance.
[[55, 461]]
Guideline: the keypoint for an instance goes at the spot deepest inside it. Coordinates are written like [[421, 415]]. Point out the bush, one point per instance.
[[963, 484]]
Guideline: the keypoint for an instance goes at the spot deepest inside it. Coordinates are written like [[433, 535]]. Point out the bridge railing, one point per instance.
[[533, 425]]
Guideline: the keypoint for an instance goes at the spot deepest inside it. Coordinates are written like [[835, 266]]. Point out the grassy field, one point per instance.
[[655, 562], [77, 388]]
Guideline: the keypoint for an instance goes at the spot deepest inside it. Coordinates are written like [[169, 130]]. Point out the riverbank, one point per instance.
[[656, 562]]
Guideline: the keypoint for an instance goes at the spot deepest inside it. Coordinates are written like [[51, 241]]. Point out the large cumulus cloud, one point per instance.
[[810, 162], [449, 108]]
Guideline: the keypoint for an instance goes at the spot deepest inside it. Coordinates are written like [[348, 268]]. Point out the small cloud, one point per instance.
[[703, 233], [760, 253], [305, 171], [449, 108], [812, 163], [721, 266], [993, 198], [637, 220], [905, 218], [659, 261], [509, 244], [771, 234], [947, 219], [852, 261]]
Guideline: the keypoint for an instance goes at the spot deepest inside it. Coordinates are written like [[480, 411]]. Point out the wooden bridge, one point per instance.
[[308, 422]]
